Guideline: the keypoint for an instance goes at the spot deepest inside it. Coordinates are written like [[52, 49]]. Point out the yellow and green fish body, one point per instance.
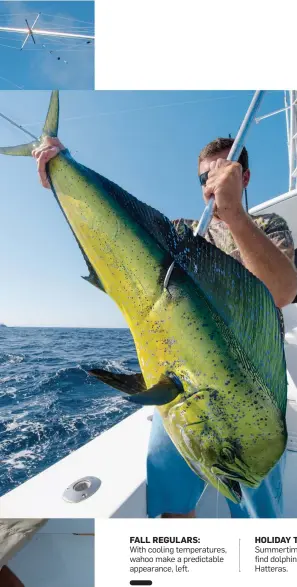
[[209, 344]]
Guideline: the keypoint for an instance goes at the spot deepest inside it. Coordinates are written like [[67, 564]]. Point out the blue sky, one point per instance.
[[36, 67], [148, 143]]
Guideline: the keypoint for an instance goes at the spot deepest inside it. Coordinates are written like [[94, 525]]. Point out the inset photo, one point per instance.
[[46, 45], [51, 553]]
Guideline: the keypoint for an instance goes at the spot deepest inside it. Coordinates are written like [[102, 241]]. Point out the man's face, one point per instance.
[[205, 166]]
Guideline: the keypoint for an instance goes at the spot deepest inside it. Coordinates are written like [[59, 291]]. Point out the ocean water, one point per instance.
[[49, 405]]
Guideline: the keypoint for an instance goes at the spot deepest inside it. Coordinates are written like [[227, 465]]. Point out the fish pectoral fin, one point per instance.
[[162, 393], [132, 384]]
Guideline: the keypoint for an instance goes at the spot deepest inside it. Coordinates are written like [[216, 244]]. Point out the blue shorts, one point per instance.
[[172, 487]]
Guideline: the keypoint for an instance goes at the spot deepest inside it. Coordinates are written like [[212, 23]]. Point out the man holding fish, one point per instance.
[[264, 245]]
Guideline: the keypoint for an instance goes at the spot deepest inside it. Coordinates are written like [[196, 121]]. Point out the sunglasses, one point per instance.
[[204, 177]]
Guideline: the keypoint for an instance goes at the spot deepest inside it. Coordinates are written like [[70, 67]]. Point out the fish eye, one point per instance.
[[228, 454]]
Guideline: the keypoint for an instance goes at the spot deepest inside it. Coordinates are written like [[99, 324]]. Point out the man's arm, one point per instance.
[[48, 149], [262, 257], [258, 253]]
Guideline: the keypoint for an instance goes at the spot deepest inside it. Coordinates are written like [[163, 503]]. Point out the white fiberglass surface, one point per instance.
[[61, 553]]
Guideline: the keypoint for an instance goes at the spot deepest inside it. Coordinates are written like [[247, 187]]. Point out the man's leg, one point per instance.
[[173, 489], [266, 501]]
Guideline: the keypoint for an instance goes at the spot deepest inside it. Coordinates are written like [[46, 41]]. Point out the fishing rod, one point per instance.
[[234, 155]]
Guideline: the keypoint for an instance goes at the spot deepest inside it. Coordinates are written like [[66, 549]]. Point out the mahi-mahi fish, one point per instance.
[[209, 344]]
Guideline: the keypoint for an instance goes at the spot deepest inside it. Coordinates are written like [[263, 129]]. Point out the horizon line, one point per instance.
[[2, 324]]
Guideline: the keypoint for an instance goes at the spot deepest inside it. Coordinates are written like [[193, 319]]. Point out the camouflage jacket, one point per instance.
[[219, 235]]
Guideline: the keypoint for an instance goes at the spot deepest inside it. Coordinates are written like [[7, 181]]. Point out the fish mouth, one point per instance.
[[230, 488], [223, 472], [233, 487]]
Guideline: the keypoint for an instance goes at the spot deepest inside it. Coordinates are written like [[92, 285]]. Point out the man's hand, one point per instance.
[[225, 183], [49, 148]]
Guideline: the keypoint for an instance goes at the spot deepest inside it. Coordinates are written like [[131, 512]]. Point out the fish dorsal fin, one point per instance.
[[51, 124], [245, 307]]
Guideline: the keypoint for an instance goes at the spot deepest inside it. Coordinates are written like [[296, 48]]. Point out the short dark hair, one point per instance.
[[220, 144]]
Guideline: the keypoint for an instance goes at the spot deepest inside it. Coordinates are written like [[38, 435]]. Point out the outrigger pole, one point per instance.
[[42, 32], [290, 100], [233, 156]]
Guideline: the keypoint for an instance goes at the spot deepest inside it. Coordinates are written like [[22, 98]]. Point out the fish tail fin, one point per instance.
[[51, 124], [50, 129], [25, 150]]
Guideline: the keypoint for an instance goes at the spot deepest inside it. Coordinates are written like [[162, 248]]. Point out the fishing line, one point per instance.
[[206, 485], [140, 109], [40, 49], [248, 503], [9, 46], [12, 38], [73, 50], [23, 14], [44, 50], [72, 28], [10, 82], [68, 18], [217, 506], [19, 126], [18, 14]]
